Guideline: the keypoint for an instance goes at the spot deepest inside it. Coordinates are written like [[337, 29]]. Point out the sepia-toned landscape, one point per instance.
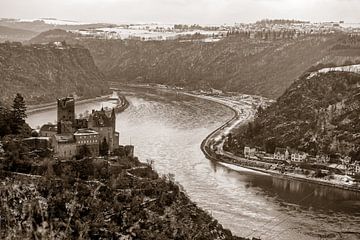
[[180, 119]]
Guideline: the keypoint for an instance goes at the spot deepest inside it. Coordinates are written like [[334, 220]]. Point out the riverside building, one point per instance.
[[72, 133]]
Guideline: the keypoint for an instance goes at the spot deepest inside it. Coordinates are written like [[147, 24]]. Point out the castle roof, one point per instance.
[[85, 131], [100, 119], [64, 138]]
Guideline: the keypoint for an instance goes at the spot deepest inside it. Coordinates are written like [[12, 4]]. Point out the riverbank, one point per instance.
[[46, 106], [121, 106], [219, 155], [244, 109]]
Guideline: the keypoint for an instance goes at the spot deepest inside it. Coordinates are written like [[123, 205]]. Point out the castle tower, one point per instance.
[[113, 119], [65, 113]]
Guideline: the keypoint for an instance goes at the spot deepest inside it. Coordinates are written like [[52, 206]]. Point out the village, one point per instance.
[[264, 29], [334, 170], [286, 159]]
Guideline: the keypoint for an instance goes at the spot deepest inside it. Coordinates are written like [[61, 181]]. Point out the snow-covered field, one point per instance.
[[149, 32], [53, 21], [349, 68]]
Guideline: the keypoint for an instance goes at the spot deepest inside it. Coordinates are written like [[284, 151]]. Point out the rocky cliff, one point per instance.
[[43, 72]]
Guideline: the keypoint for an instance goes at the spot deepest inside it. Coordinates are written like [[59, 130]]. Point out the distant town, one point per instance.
[[265, 29]]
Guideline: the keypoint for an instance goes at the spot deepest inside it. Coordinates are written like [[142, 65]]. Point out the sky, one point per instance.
[[183, 11]]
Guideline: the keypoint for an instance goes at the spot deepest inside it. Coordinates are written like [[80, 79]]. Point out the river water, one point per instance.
[[168, 128]]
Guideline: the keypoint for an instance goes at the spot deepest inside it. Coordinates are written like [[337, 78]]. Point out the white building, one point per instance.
[[298, 156], [250, 152], [281, 154]]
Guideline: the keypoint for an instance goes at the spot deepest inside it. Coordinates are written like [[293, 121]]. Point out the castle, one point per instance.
[[71, 134]]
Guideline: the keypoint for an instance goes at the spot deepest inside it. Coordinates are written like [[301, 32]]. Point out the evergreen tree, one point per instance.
[[18, 113], [19, 107]]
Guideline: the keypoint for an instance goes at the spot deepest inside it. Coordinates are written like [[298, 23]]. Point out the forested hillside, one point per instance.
[[44, 72], [236, 63], [317, 114]]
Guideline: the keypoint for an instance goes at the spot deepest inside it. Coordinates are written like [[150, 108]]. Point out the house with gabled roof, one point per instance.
[[281, 154]]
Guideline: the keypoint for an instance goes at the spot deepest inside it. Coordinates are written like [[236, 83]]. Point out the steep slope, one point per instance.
[[43, 72], [253, 66], [54, 35], [234, 64], [121, 200], [319, 113]]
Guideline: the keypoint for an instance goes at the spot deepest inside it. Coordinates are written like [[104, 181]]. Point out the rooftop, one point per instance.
[[100, 119], [37, 138], [85, 131], [64, 138]]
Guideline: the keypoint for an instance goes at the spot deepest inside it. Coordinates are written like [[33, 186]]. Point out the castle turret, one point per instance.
[[113, 119]]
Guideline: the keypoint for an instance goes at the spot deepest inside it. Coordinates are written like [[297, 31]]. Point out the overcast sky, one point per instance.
[[183, 11]]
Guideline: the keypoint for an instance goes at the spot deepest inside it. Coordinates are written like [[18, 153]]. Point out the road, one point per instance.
[[243, 112]]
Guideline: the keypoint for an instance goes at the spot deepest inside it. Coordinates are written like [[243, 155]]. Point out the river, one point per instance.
[[168, 128]]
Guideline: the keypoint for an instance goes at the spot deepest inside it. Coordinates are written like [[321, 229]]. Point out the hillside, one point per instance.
[[236, 63], [54, 35], [13, 34], [319, 113], [45, 24], [122, 199], [43, 72]]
